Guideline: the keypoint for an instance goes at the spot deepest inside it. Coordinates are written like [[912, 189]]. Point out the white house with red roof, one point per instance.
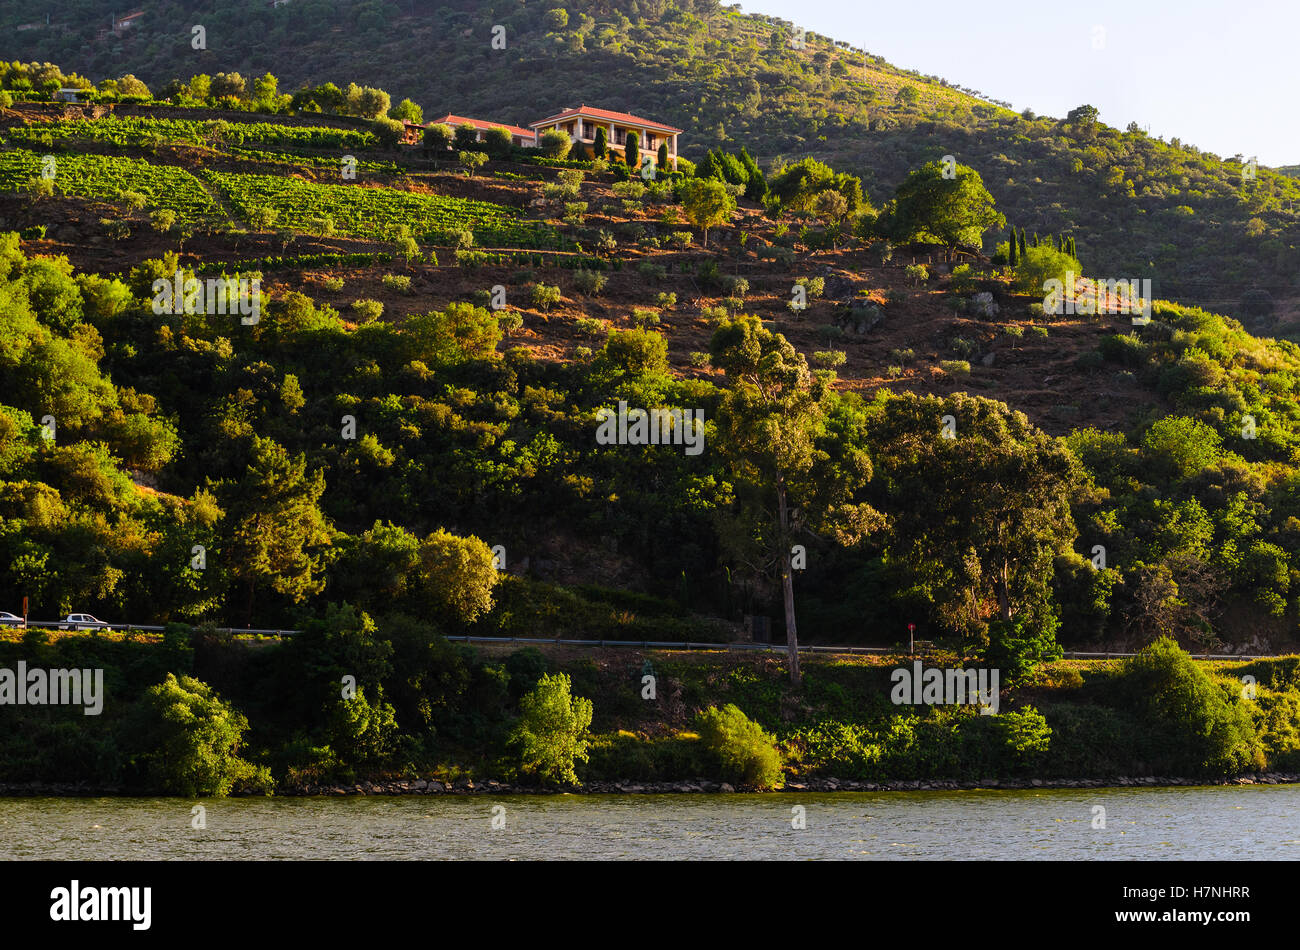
[[518, 136], [580, 125]]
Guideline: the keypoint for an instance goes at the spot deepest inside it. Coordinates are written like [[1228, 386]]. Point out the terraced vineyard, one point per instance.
[[133, 130], [375, 212], [106, 177]]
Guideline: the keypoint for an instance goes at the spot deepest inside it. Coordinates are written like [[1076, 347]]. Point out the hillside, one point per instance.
[[376, 414], [1137, 207]]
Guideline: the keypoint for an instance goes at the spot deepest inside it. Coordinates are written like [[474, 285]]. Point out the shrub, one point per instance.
[[652, 270], [367, 311], [641, 319], [830, 357], [633, 190], [188, 741], [574, 212], [589, 282], [917, 273], [905, 357], [815, 286], [1038, 331], [1014, 329], [699, 359], [955, 367], [555, 144], [439, 137], [471, 162], [736, 286], [510, 321], [399, 282], [1205, 732], [590, 326], [551, 734], [163, 220], [544, 295], [666, 300], [333, 283], [739, 748]]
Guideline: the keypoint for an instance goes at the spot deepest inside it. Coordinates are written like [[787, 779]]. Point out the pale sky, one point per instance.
[[1223, 76]]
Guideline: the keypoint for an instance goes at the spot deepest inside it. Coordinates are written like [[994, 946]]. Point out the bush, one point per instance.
[[652, 270], [543, 296], [1205, 732], [589, 282], [332, 283], [955, 367], [739, 748], [736, 286], [699, 359], [666, 300], [367, 311], [632, 190], [917, 273], [641, 319], [830, 357], [815, 286], [398, 282], [188, 741], [575, 212], [555, 144], [551, 734]]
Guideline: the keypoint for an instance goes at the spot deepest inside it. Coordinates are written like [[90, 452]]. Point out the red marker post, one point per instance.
[[911, 639]]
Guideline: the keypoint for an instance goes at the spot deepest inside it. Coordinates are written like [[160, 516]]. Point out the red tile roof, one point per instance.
[[594, 113], [455, 120]]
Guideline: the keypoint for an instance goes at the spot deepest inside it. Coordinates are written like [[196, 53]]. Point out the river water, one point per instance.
[[1216, 822]]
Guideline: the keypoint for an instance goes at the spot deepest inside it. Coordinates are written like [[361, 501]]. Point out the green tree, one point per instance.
[[979, 505], [187, 741], [789, 473], [742, 751], [707, 204], [600, 146], [454, 577], [279, 535], [661, 158], [551, 734], [1201, 728], [407, 110], [438, 137], [632, 149], [555, 144], [953, 211]]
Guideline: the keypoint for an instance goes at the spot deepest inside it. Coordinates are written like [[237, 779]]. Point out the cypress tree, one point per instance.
[[600, 147], [1012, 257], [1035, 239], [662, 157], [1022, 244], [632, 151]]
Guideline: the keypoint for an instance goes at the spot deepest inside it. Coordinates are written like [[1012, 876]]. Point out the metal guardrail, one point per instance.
[[84, 627], [638, 644]]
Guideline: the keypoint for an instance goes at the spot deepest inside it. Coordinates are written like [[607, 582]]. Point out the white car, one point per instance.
[[83, 622], [11, 620]]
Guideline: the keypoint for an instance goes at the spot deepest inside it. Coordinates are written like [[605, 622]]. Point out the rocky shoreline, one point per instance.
[[701, 786]]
